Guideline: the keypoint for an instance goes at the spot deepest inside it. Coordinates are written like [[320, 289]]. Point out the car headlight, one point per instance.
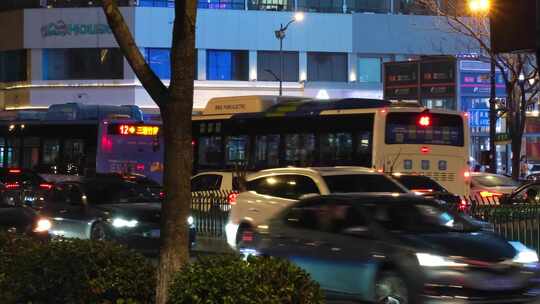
[[524, 255], [190, 220], [42, 225], [431, 260], [122, 223]]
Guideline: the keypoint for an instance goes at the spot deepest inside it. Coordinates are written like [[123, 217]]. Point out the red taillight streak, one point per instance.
[[422, 190], [247, 236], [46, 186], [12, 185], [231, 199], [14, 170], [424, 121]]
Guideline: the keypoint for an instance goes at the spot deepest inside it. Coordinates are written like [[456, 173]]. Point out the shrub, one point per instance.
[[72, 271], [230, 279]]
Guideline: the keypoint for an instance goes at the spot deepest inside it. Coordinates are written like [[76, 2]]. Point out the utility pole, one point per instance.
[[493, 117]]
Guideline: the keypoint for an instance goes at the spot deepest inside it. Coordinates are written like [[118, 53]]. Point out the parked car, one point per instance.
[[407, 248], [24, 186], [269, 191], [487, 186], [427, 187], [107, 209], [214, 185]]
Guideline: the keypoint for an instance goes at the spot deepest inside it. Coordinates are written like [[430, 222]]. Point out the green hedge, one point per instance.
[[230, 279], [74, 271]]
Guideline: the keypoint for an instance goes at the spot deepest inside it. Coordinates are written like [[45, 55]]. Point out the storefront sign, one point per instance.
[[479, 118], [502, 138], [61, 28]]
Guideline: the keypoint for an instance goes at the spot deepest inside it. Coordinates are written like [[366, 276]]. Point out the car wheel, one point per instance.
[[391, 288], [99, 232]]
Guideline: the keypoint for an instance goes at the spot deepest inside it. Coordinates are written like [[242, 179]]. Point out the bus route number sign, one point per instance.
[[133, 130]]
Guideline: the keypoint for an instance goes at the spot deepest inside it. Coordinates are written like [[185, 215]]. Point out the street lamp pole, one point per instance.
[[280, 35]]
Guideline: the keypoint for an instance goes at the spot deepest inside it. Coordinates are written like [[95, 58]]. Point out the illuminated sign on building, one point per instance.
[[133, 130], [60, 28]]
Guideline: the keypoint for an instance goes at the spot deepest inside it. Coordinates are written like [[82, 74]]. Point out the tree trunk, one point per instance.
[[175, 209]]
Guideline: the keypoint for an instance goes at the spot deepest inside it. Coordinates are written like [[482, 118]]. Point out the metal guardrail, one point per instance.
[[210, 211]]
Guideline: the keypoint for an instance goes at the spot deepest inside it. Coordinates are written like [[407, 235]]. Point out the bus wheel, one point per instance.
[[99, 232]]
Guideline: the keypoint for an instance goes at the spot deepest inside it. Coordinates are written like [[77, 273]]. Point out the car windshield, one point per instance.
[[495, 181], [419, 218], [419, 183], [352, 183], [535, 168], [119, 192]]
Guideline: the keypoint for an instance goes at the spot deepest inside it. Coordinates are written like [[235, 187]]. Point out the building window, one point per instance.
[[13, 66], [321, 6], [227, 65], [222, 4], [156, 3], [269, 62], [271, 5], [369, 69], [159, 61], [64, 64], [327, 67], [368, 6]]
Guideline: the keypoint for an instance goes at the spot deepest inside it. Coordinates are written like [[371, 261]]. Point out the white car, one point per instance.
[[214, 184], [490, 187], [270, 191]]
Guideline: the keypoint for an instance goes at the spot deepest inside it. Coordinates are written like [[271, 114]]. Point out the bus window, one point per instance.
[[210, 151], [267, 150], [364, 149], [13, 152], [299, 149], [236, 148], [336, 148], [51, 151], [444, 129], [30, 152]]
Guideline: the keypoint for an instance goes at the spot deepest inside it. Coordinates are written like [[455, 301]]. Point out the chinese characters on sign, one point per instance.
[[133, 130]]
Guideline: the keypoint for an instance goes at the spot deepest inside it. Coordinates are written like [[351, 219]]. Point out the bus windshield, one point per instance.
[[440, 129]]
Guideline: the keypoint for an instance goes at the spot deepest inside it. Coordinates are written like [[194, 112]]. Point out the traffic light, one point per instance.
[[513, 25]]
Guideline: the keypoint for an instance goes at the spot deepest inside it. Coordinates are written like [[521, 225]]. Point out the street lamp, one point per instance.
[[483, 7], [280, 35]]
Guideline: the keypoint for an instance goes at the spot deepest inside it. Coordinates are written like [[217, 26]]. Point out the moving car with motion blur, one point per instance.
[[368, 247], [270, 191], [528, 193], [23, 186], [107, 209], [427, 187], [488, 187], [212, 184], [21, 219]]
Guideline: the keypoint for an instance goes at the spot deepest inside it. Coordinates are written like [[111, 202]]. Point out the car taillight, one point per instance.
[[489, 194], [231, 199], [14, 171], [247, 236], [12, 186], [45, 186], [463, 204], [161, 195]]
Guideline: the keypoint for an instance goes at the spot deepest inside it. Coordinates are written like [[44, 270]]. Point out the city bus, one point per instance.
[[75, 139], [394, 137]]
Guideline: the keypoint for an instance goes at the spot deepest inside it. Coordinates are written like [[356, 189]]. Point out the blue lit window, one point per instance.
[[227, 65], [159, 61], [157, 3], [222, 4]]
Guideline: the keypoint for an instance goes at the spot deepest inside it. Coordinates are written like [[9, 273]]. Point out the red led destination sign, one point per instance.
[[133, 130]]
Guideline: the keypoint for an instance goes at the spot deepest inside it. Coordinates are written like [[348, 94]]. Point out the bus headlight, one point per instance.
[[43, 225]]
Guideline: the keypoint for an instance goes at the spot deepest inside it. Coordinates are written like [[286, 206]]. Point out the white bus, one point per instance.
[[265, 132]]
